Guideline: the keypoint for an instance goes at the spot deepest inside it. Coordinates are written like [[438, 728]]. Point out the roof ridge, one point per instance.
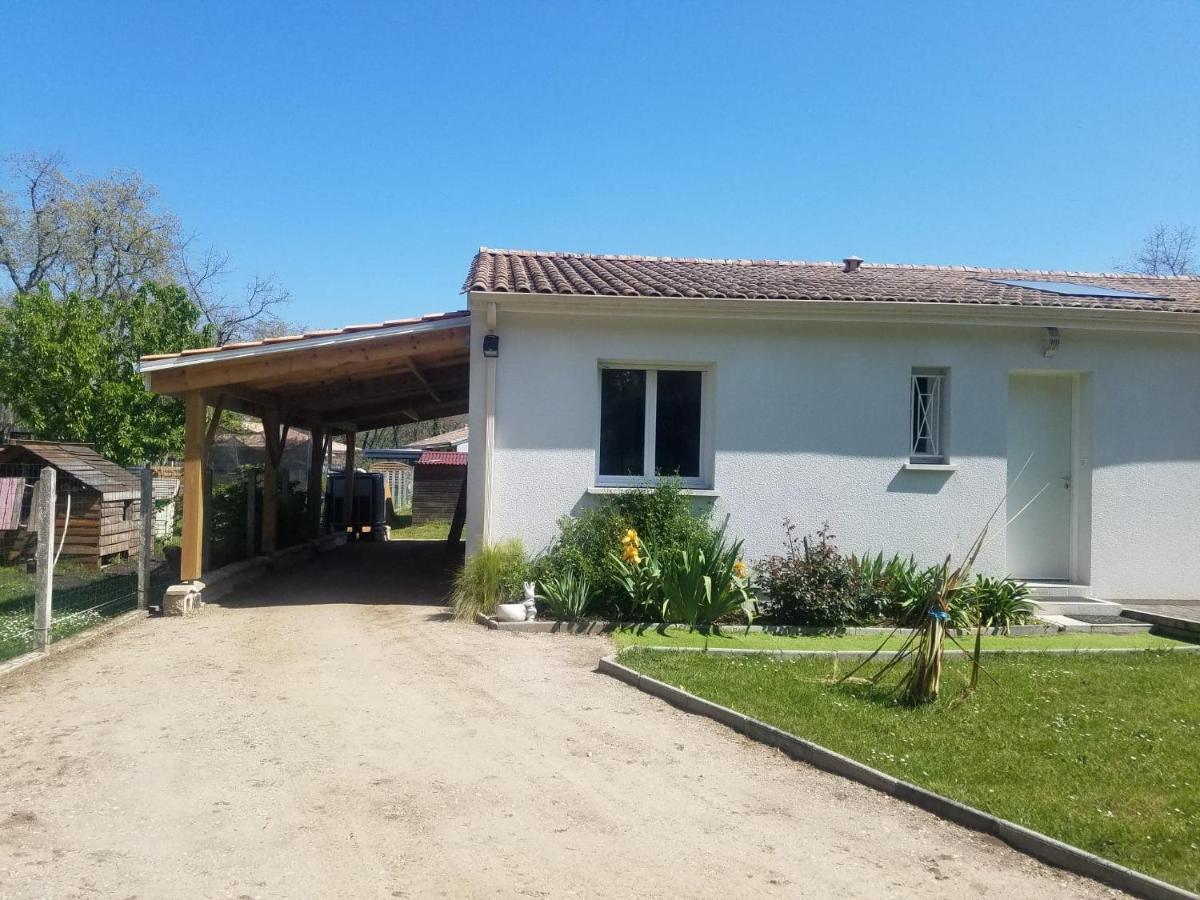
[[980, 270]]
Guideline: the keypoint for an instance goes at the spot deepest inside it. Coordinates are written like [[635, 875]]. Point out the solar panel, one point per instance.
[[1071, 289]]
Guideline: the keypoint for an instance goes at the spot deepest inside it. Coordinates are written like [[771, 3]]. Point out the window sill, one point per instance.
[[930, 467], [646, 489]]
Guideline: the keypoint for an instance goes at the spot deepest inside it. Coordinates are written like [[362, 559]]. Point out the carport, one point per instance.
[[344, 381]]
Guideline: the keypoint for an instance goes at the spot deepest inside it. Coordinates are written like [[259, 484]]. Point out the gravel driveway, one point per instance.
[[333, 735]]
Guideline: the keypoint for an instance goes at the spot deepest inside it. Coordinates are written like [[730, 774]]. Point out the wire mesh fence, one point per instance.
[[113, 545], [102, 556], [18, 547]]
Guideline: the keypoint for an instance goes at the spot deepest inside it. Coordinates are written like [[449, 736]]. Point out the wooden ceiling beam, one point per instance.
[[364, 387], [412, 367], [401, 417], [361, 376], [377, 408], [399, 395], [249, 402]]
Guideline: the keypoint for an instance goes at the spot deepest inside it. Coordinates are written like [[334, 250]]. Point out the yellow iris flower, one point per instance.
[[739, 569], [631, 537]]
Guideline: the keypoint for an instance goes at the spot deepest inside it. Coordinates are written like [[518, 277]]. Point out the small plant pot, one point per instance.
[[510, 612]]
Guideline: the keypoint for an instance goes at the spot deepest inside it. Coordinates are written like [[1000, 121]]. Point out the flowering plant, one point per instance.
[[696, 585], [638, 575]]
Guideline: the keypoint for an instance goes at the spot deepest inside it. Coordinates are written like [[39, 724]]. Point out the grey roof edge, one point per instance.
[[867, 264]]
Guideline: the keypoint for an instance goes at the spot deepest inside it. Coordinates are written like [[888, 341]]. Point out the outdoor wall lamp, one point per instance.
[[491, 345]]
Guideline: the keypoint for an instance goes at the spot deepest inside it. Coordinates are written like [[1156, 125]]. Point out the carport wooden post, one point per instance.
[[316, 459], [192, 551], [348, 482]]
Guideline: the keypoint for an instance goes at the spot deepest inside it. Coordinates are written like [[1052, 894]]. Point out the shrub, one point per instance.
[[490, 576], [704, 583], [901, 592], [876, 580], [664, 518], [999, 602], [810, 584], [229, 514], [696, 585], [567, 594]]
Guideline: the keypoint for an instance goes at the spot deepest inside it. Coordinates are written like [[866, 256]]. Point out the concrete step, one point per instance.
[[1067, 605], [1056, 589]]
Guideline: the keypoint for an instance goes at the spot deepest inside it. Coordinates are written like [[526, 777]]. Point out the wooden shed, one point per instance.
[[439, 480], [102, 520]]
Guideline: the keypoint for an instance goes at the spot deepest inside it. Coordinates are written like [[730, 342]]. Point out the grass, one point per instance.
[[77, 591], [735, 638], [429, 531], [1095, 750]]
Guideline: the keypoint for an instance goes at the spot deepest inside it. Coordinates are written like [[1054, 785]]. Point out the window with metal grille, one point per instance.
[[927, 428], [652, 425]]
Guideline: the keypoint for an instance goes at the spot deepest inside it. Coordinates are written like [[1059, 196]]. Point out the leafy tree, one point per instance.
[[67, 366]]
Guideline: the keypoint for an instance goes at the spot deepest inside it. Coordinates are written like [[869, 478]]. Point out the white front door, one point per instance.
[[1039, 431]]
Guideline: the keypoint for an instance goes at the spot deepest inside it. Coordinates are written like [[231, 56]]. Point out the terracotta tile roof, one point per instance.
[[442, 458], [532, 272], [325, 332]]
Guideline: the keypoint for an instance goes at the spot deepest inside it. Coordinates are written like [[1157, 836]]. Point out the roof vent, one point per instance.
[[851, 263]]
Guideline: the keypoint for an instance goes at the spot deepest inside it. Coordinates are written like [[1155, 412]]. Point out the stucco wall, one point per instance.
[[810, 423]]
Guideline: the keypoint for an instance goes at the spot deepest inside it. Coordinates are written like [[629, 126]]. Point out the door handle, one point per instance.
[[1066, 482]]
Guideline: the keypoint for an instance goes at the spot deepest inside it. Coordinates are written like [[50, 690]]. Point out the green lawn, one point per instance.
[[78, 590], [1097, 750], [735, 638], [430, 531]]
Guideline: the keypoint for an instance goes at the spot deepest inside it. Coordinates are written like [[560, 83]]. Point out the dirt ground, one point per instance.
[[332, 734]]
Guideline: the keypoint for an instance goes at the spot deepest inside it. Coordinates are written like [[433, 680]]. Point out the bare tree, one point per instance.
[[251, 316], [107, 237], [101, 237], [1167, 250], [33, 220], [403, 435]]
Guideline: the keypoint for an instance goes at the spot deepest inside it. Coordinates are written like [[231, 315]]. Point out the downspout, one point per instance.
[[489, 433]]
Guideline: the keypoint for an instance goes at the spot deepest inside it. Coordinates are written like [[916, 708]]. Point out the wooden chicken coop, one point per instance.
[[99, 503]]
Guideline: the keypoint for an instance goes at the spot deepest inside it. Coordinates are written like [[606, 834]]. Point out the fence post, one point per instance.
[[147, 548], [46, 501]]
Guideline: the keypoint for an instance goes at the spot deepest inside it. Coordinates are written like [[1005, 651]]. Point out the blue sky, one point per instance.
[[362, 152]]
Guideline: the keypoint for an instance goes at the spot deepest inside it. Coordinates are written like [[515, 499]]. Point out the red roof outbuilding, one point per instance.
[[442, 458]]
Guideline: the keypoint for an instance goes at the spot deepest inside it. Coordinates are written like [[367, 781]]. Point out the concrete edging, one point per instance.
[[73, 642], [1166, 623], [219, 582], [601, 626], [1026, 840]]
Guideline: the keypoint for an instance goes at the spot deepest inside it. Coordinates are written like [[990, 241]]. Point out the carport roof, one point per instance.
[[352, 378]]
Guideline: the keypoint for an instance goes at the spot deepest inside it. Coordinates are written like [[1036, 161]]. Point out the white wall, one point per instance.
[[811, 424]]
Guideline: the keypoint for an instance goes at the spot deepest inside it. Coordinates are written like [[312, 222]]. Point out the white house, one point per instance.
[[897, 403]]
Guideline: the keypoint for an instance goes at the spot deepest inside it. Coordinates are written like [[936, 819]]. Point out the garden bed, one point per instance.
[[1097, 750]]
